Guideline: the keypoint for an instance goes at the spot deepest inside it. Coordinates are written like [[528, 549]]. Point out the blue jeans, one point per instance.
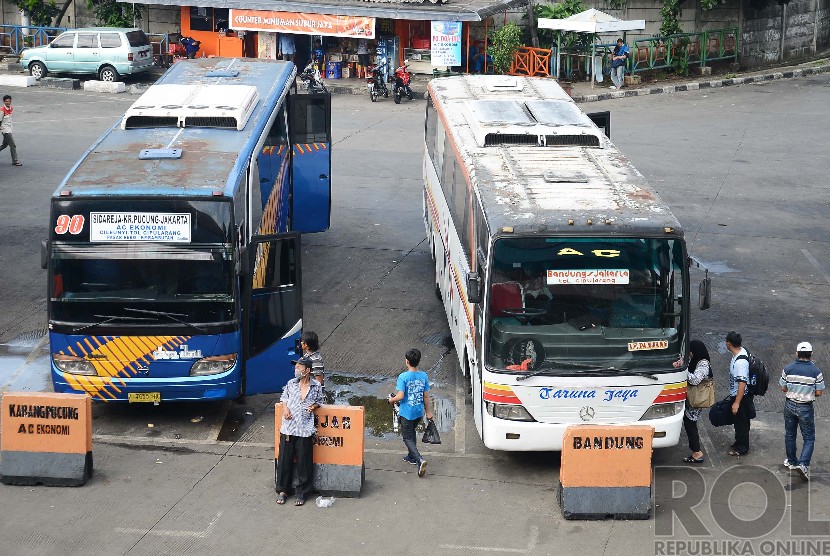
[[799, 415], [408, 434], [618, 76]]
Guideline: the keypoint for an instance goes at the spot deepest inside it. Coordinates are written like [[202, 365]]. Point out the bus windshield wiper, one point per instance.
[[107, 319], [603, 371], [171, 316], [543, 370]]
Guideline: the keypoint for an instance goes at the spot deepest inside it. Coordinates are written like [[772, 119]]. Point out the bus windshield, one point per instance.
[[581, 305], [94, 283]]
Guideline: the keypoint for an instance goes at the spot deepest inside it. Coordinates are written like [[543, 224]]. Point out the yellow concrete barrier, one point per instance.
[[606, 471], [45, 438]]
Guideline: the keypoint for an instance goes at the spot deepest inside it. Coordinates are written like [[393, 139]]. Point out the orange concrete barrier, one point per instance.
[[606, 471], [45, 438], [338, 448]]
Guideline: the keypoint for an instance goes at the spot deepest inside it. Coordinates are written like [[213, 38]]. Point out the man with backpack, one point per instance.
[[802, 382], [739, 393]]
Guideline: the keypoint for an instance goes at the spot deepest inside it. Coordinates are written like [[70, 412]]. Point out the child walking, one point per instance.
[[413, 395]]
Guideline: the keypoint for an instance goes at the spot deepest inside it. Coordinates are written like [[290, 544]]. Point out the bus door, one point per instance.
[[309, 128], [273, 318]]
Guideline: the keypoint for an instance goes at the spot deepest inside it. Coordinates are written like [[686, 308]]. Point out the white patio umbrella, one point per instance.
[[590, 21]]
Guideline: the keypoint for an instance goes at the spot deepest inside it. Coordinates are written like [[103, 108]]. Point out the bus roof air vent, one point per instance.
[[520, 122], [218, 106]]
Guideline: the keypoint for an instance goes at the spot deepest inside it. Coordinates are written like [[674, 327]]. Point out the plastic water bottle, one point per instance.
[[323, 502]]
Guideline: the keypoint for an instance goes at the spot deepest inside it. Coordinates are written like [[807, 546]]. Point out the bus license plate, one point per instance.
[[144, 397]]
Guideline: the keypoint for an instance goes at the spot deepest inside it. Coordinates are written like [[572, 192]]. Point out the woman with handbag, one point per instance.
[[699, 370]]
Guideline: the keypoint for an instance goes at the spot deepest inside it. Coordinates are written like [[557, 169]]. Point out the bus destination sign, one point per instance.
[[139, 226]]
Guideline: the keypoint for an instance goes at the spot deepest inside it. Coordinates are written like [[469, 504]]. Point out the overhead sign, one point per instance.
[[139, 226], [303, 24], [588, 276], [446, 43]]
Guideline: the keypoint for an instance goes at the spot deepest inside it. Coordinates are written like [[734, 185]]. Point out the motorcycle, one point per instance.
[[400, 86], [312, 79], [376, 82]]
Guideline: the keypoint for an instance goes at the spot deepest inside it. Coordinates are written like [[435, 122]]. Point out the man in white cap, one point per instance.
[[802, 382]]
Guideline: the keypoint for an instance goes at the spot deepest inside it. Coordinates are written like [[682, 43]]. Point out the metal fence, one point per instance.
[[685, 49], [14, 38]]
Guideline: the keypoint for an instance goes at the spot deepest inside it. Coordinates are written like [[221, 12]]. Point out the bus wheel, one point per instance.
[[437, 285]]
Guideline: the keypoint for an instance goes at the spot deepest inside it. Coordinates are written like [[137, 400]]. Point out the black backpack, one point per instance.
[[758, 375]]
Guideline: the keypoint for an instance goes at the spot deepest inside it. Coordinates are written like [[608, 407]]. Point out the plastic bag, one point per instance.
[[323, 502], [431, 435]]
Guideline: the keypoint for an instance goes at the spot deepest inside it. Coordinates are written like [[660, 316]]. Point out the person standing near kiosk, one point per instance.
[[301, 396]]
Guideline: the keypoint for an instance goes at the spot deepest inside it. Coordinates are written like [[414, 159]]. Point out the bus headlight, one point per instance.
[[508, 411], [662, 410], [73, 365], [213, 365]]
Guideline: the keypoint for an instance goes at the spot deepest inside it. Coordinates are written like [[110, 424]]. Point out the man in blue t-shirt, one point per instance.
[[413, 395]]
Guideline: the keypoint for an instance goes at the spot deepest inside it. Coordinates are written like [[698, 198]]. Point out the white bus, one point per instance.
[[564, 277]]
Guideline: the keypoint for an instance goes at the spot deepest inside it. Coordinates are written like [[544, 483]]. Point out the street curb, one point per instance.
[[713, 84]]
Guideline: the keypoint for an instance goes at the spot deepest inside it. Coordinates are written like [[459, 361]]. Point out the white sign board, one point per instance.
[[446, 43], [139, 226], [591, 276]]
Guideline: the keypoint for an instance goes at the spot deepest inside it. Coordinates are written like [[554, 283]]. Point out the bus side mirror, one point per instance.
[[44, 254], [705, 293], [473, 288]]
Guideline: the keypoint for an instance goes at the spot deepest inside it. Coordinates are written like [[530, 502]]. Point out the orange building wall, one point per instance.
[[212, 43]]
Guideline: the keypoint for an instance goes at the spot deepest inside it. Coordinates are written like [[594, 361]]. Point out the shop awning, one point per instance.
[[439, 10]]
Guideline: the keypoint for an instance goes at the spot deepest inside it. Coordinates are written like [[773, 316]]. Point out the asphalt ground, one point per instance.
[[743, 168]]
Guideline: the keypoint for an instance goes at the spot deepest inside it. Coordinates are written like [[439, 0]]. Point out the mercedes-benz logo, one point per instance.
[[586, 413]]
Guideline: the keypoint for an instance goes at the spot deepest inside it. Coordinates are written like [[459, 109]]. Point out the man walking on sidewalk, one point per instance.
[[6, 129], [413, 393], [802, 382]]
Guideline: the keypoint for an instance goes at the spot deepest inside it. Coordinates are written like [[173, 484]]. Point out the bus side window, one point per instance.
[[278, 134], [429, 128]]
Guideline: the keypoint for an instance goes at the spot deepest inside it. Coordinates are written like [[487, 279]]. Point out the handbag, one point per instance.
[[701, 395], [431, 435], [720, 414]]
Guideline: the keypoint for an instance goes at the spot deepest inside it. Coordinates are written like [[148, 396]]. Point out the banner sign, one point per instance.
[[303, 24], [592, 276], [139, 226], [446, 43]]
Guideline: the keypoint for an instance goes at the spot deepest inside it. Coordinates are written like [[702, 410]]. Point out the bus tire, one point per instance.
[[437, 285]]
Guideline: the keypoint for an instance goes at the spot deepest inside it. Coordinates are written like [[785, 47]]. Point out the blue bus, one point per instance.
[[174, 246]]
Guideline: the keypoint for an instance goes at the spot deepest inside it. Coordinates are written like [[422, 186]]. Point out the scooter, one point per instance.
[[376, 82], [312, 79], [400, 87]]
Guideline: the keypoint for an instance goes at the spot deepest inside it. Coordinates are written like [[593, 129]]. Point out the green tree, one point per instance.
[[671, 13], [41, 12], [114, 14], [505, 42]]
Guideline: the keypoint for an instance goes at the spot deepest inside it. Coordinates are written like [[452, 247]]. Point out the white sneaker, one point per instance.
[[612, 87], [803, 472], [422, 467], [788, 465]]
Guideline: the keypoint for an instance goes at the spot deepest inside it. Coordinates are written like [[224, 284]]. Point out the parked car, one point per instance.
[[107, 52]]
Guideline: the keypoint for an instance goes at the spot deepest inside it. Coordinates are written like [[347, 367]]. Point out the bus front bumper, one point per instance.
[[224, 386], [521, 436]]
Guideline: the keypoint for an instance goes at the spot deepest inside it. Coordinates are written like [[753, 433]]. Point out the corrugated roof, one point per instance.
[[436, 10]]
